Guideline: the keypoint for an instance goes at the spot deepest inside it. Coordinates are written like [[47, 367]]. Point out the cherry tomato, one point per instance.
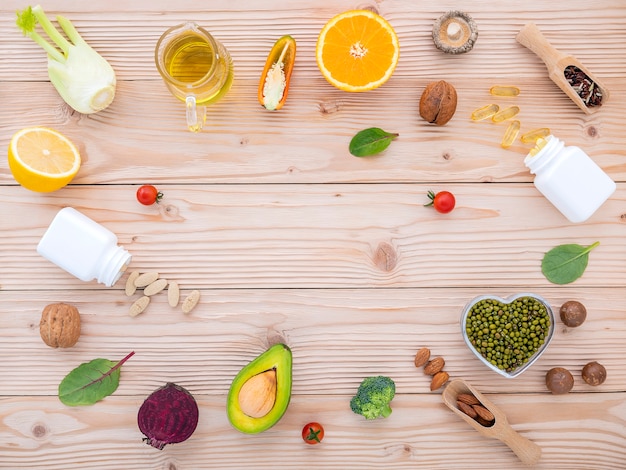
[[313, 433], [148, 195], [443, 201]]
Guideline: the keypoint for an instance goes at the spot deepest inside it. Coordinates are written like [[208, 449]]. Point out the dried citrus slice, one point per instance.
[[42, 159], [357, 50]]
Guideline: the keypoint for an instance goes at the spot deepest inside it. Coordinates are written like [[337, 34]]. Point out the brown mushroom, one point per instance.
[[559, 380], [594, 373], [455, 32], [573, 313]]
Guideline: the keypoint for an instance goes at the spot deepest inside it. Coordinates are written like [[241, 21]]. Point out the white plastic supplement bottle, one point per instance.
[[569, 178], [83, 248]]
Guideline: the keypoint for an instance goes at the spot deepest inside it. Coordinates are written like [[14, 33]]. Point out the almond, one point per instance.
[[468, 399], [433, 366], [467, 409], [483, 412], [422, 357], [439, 379], [484, 422]]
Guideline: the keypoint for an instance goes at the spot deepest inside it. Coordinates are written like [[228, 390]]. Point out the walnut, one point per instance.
[[60, 325], [438, 102]]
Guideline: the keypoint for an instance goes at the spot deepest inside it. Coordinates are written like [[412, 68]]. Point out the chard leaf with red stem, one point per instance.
[[91, 381]]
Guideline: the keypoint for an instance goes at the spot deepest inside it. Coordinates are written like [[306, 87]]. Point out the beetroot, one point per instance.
[[169, 415]]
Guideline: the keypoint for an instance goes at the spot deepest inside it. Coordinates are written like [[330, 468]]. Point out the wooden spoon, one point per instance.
[[527, 451], [556, 61]]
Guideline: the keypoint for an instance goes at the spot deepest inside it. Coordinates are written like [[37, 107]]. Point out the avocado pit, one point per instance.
[[258, 394]]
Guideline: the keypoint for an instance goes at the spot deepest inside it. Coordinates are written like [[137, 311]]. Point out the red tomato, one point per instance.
[[148, 195], [443, 201], [313, 433]]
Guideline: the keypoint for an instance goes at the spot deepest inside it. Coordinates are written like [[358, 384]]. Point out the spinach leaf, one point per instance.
[[370, 142], [566, 263], [91, 381]]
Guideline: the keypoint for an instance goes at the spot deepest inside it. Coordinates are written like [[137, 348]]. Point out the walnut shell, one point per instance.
[[438, 102], [60, 325]]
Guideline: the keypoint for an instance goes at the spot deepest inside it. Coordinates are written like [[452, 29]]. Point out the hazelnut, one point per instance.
[[59, 326], [573, 313], [438, 102], [559, 380], [594, 373]]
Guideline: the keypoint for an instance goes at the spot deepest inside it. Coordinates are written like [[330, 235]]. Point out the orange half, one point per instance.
[[357, 50]]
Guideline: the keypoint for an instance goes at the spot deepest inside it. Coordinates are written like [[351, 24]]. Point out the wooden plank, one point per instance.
[[289, 238], [337, 337], [140, 135], [421, 432], [315, 236]]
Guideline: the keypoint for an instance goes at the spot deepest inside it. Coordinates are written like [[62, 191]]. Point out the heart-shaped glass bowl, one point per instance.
[[508, 301]]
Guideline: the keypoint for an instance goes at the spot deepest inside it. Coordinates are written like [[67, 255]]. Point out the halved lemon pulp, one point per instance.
[[42, 159]]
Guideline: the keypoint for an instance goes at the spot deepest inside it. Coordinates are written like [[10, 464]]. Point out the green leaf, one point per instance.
[[91, 381], [370, 142], [566, 263]]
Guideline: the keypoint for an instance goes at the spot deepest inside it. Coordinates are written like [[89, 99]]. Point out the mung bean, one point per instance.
[[507, 336]]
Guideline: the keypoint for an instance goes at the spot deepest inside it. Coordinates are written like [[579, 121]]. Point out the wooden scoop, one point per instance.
[[527, 451], [531, 37]]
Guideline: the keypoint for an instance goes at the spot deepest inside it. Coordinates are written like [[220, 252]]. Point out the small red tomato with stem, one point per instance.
[[148, 195], [443, 201], [313, 433]]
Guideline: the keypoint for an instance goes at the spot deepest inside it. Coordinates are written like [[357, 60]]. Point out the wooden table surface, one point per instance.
[[290, 238]]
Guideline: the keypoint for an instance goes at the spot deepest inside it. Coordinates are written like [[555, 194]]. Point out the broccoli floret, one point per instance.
[[373, 397]]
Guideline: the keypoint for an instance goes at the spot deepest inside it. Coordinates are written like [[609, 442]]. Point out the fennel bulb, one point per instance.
[[83, 78]]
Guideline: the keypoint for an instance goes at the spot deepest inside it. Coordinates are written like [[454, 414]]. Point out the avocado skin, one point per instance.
[[277, 357]]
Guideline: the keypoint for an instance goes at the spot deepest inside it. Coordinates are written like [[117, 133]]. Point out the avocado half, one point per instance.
[[275, 362]]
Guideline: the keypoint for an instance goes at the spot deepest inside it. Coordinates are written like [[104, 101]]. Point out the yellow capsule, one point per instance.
[[532, 136], [541, 143], [510, 134], [504, 90], [485, 112], [506, 113]]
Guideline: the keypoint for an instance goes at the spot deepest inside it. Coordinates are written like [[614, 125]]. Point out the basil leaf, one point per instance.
[[91, 381], [566, 263], [370, 141]]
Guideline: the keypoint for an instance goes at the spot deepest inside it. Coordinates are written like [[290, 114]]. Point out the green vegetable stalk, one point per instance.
[[373, 397], [83, 78]]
